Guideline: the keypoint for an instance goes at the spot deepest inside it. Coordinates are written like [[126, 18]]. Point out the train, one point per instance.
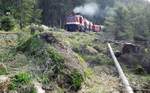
[[76, 22]]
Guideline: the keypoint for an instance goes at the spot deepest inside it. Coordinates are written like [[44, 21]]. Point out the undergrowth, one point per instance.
[[22, 78]]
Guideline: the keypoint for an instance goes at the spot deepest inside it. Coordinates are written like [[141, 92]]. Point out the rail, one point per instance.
[[125, 82]]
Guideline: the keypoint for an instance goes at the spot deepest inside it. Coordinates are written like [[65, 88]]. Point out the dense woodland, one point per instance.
[[125, 18]]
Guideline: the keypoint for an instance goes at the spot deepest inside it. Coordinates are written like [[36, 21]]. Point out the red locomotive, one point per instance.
[[76, 22]]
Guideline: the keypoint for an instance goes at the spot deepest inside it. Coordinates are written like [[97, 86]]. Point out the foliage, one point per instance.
[[99, 59], [32, 45], [24, 11], [3, 69], [44, 78], [33, 90], [118, 24], [23, 37], [20, 79], [139, 70], [55, 11], [88, 72], [81, 60], [54, 55], [76, 80], [7, 23], [7, 55], [57, 60], [129, 19]]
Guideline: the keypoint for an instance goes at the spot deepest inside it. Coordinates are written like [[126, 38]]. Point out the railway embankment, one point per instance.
[[67, 62]]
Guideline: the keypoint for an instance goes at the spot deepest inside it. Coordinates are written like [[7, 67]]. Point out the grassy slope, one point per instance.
[[100, 74]]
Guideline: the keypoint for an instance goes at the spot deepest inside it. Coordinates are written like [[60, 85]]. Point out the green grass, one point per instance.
[[76, 80], [22, 78], [3, 69]]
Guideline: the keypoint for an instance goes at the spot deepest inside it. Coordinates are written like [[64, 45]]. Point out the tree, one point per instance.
[[119, 23], [7, 23], [55, 11], [22, 10]]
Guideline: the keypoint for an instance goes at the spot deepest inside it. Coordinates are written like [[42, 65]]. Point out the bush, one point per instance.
[[88, 72], [6, 55], [3, 69], [7, 23], [57, 59], [139, 70], [20, 79], [76, 80]]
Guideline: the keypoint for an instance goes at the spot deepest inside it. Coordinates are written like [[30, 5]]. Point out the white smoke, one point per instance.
[[89, 9]]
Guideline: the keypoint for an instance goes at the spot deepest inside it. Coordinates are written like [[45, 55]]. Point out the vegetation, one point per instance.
[[23, 78], [76, 80], [122, 18], [7, 23], [3, 69], [40, 51]]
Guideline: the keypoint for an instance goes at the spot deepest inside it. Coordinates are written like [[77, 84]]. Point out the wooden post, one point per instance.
[[120, 71]]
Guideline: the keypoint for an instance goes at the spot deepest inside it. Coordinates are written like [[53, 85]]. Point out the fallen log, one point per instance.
[[125, 82]]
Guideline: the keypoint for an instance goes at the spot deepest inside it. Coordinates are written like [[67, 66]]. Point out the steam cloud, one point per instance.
[[89, 9]]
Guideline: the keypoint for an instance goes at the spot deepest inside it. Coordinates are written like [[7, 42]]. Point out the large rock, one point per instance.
[[4, 82]]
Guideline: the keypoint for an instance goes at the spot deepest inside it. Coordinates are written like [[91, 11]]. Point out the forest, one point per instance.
[[38, 55], [125, 18]]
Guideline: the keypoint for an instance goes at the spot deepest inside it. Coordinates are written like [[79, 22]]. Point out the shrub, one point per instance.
[[3, 69], [76, 80], [31, 46], [6, 55], [7, 23], [20, 79], [139, 70], [56, 58], [88, 72]]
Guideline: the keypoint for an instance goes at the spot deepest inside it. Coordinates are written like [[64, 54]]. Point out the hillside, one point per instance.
[[58, 61]]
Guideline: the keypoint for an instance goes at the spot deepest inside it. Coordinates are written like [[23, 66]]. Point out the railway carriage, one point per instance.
[[76, 22]]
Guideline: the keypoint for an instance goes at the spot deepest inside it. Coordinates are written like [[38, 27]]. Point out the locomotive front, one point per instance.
[[76, 22]]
